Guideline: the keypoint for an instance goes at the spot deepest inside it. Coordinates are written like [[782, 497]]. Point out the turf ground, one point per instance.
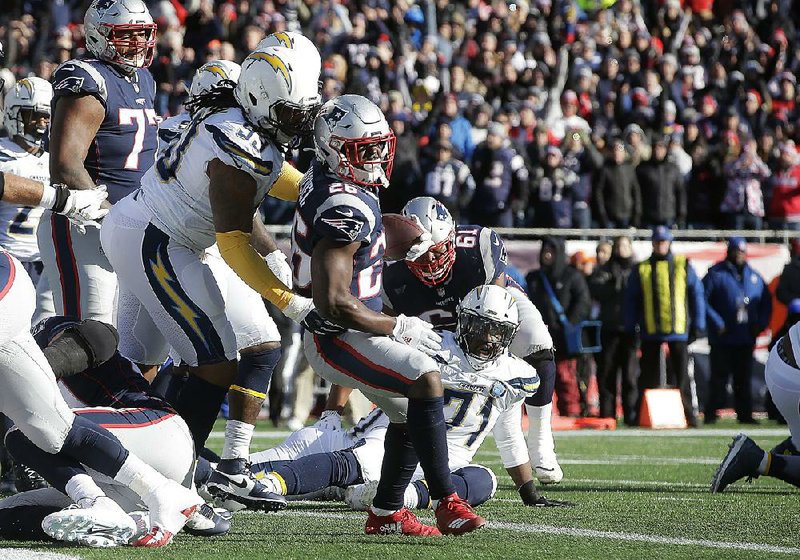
[[638, 494]]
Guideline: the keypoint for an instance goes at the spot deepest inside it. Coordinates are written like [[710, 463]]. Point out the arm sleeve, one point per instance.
[[509, 439], [287, 185], [235, 248], [532, 335]]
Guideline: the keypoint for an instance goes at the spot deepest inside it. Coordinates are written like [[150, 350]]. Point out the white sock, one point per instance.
[[237, 439], [383, 512], [411, 497], [764, 464], [139, 476], [83, 487], [540, 430]]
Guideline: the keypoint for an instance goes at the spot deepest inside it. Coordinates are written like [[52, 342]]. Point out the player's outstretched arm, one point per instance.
[[522, 475], [231, 193], [75, 123]]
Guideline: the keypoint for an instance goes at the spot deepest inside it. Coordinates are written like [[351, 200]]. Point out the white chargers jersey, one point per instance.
[[175, 189], [479, 401], [169, 129], [18, 224]]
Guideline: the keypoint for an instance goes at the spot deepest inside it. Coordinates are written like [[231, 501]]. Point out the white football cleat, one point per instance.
[[170, 506], [98, 523], [547, 469], [359, 497]]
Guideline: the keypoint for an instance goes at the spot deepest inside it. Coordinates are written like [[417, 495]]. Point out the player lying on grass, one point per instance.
[[745, 458], [91, 373], [484, 389]]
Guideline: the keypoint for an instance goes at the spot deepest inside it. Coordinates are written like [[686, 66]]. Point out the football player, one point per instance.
[[103, 131], [484, 390], [30, 397], [26, 116], [90, 373], [745, 458], [337, 250], [203, 190]]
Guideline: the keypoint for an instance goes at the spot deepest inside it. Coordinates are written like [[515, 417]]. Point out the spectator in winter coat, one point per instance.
[[617, 196], [664, 302], [618, 357], [788, 287], [663, 192], [552, 189], [569, 286], [739, 307], [784, 190], [448, 180], [581, 158], [501, 181], [743, 202]]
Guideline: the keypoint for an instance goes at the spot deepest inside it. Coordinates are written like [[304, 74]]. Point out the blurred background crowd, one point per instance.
[[544, 113]]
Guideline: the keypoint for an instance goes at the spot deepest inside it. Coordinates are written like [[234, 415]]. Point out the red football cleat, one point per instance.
[[455, 516], [401, 522], [156, 537]]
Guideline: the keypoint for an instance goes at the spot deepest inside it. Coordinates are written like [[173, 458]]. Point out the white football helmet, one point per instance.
[[25, 103], [278, 93], [297, 41], [353, 139], [211, 74], [487, 322], [108, 24], [434, 266]]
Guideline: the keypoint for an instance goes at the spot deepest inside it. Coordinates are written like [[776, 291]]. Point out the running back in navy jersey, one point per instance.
[[329, 208], [480, 259], [125, 145], [115, 383]]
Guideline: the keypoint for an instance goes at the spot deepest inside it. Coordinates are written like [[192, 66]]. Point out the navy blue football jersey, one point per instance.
[[115, 383], [480, 259], [125, 145], [329, 208]]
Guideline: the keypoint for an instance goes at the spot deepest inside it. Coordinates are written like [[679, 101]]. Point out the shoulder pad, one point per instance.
[[237, 144], [346, 218], [79, 77], [493, 254]]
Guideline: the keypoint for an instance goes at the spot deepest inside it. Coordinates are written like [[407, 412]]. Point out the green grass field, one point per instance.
[[638, 494]]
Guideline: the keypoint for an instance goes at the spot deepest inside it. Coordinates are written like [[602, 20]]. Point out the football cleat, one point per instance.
[[98, 523], [359, 496], [742, 460], [25, 478], [547, 469], [154, 538], [232, 480], [170, 507], [208, 522], [786, 447], [455, 516], [7, 485], [401, 522]]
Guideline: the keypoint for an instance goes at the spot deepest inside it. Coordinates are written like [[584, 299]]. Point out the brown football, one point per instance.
[[401, 234]]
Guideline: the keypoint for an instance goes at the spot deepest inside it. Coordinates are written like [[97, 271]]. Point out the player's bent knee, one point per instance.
[[427, 385], [481, 483]]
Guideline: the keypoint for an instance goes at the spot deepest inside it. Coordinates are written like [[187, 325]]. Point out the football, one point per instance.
[[401, 234]]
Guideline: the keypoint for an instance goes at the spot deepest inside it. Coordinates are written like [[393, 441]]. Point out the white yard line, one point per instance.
[[28, 554], [623, 460], [589, 533]]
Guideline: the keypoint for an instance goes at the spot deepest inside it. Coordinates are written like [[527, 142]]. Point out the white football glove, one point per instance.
[[417, 333], [83, 207], [420, 247], [279, 265], [298, 308]]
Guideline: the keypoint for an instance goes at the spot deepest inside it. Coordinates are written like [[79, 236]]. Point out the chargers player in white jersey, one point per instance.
[[337, 250], [203, 190], [26, 116], [103, 131], [484, 389], [745, 458]]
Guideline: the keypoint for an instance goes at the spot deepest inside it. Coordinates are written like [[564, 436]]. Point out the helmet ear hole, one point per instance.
[[253, 99]]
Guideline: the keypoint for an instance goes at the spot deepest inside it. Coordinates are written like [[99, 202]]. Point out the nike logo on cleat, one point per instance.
[[242, 484], [458, 523]]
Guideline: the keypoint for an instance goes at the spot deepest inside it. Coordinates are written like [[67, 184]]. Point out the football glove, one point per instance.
[[82, 207], [420, 247], [417, 333]]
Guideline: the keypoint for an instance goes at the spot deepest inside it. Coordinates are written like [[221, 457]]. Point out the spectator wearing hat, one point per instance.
[[743, 203], [618, 357], [664, 303], [754, 114], [637, 146], [738, 308], [617, 195], [501, 181], [784, 189], [461, 136], [448, 180], [552, 192], [581, 159], [663, 192], [570, 119]]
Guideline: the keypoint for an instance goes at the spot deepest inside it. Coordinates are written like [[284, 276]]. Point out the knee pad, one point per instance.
[[481, 483], [82, 346], [546, 369], [255, 371]]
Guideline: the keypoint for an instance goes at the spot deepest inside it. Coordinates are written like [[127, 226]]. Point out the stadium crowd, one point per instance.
[[545, 113]]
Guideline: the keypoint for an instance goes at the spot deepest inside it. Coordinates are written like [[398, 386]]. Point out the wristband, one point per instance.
[[528, 493], [55, 197]]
